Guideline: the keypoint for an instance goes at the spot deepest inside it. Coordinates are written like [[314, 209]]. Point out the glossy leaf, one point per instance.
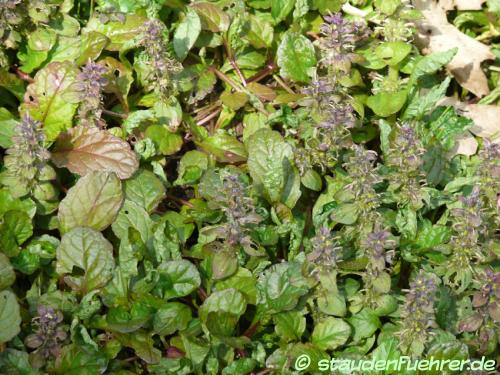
[[83, 150], [48, 98], [93, 202], [296, 57], [89, 251]]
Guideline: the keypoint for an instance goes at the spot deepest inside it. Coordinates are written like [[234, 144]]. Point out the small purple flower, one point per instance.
[[49, 334], [326, 252], [91, 83], [339, 39], [26, 141]]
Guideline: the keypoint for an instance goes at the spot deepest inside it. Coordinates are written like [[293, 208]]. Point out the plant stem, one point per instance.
[[115, 114], [232, 61], [283, 84], [209, 117]]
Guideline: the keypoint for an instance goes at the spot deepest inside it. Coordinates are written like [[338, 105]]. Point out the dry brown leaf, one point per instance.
[[83, 150], [466, 144], [461, 4], [437, 35]]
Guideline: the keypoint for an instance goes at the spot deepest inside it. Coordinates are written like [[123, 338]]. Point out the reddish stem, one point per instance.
[[251, 330], [24, 76], [202, 293]]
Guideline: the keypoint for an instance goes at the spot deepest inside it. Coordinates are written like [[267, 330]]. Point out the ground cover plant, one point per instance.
[[222, 187]]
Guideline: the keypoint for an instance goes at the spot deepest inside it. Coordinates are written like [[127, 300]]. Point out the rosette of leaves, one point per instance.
[[394, 20]]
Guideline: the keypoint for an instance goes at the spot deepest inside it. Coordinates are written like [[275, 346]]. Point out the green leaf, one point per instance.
[[446, 125], [271, 166], [221, 311], [186, 34], [121, 35], [260, 33], [293, 353], [143, 345], [432, 63], [93, 202], [134, 216], [145, 189], [234, 100], [16, 362], [10, 317], [392, 53], [435, 164], [385, 104], [123, 320], [7, 274], [12, 83], [385, 131], [345, 213], [224, 264], [78, 360], [406, 222], [167, 142], [281, 8], [213, 18], [7, 128], [421, 105], [365, 323], [226, 148], [170, 318], [430, 235], [30, 59], [47, 97], [387, 6], [296, 57], [136, 118], [332, 303], [327, 7], [9, 203], [92, 44], [330, 333], [181, 278], [447, 349], [191, 167], [280, 287], [289, 326], [15, 229], [86, 250], [244, 281], [119, 78], [446, 310], [312, 180], [387, 351]]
